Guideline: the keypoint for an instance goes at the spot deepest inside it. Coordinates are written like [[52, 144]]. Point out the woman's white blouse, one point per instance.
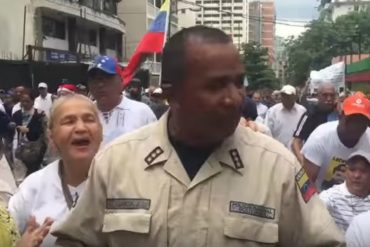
[[41, 195]]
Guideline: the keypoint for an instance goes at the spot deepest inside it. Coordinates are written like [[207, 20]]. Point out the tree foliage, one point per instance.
[[324, 40], [259, 74]]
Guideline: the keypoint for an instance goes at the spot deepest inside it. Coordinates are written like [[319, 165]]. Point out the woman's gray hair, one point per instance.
[[60, 101]]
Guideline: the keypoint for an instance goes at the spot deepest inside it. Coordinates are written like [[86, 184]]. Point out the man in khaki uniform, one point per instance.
[[194, 178]]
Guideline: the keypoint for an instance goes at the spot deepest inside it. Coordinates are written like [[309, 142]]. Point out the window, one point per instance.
[[212, 15], [158, 3], [198, 22], [110, 6], [92, 37], [238, 7], [211, 9], [53, 28], [111, 41]]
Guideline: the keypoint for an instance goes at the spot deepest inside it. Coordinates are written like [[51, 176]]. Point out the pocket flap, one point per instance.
[[131, 222], [251, 229]]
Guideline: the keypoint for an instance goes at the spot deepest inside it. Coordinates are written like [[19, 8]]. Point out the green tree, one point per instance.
[[324, 40], [259, 74]]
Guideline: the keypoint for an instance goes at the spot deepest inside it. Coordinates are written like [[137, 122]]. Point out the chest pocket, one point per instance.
[[252, 230], [130, 222]]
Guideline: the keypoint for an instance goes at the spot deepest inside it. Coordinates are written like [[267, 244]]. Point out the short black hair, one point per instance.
[[30, 92], [249, 110], [174, 52]]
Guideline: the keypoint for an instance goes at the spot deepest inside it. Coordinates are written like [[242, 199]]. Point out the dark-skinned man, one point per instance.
[[45, 100], [16, 98], [118, 114], [324, 111], [195, 178], [331, 144]]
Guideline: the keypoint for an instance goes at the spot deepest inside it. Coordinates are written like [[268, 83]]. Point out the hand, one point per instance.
[[23, 129], [35, 234], [253, 125]]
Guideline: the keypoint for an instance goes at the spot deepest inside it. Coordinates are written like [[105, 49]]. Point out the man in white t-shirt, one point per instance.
[[332, 143], [44, 101], [118, 114], [282, 118], [346, 200], [358, 233]]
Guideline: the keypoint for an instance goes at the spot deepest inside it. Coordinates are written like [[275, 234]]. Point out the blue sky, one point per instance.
[[296, 9]]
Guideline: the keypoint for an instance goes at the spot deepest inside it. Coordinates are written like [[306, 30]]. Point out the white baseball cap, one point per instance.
[[42, 85], [158, 91], [289, 90], [365, 155]]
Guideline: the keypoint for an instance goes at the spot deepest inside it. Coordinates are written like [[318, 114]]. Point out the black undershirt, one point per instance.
[[191, 158]]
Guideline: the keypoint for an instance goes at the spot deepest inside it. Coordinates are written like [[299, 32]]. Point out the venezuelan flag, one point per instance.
[[152, 42]]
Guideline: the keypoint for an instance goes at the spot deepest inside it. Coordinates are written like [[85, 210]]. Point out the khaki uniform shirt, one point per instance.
[[248, 193]]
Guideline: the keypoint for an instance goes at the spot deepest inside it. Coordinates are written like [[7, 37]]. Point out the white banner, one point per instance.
[[334, 74]]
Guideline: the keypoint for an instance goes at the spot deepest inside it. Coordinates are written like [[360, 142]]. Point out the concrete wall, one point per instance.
[[187, 14], [11, 19], [134, 13]]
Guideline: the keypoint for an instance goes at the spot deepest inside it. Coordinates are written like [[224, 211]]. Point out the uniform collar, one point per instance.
[[161, 152]]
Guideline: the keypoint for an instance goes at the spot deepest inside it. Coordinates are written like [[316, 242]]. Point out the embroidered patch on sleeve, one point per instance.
[[305, 185]]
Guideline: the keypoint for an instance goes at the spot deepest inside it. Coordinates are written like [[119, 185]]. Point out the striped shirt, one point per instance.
[[343, 205]]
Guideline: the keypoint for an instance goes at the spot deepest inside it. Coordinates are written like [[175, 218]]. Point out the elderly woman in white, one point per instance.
[[76, 132]]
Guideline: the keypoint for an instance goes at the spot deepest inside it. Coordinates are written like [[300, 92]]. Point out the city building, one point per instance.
[[60, 30], [231, 16], [332, 9], [138, 16], [281, 60], [187, 13], [262, 17]]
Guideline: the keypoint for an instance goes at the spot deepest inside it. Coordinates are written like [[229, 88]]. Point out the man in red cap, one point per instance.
[[332, 143], [66, 89]]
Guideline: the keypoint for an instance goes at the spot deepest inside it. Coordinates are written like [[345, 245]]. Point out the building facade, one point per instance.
[[231, 16], [138, 16], [281, 60], [262, 16], [60, 30], [187, 13], [335, 8]]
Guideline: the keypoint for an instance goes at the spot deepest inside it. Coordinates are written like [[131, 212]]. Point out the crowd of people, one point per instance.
[[199, 161]]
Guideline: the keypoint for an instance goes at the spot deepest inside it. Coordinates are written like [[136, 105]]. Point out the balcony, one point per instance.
[[98, 11]]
